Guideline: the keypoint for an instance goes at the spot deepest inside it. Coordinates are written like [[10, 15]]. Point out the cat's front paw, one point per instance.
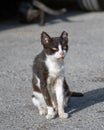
[[43, 112], [51, 116], [51, 113], [63, 115]]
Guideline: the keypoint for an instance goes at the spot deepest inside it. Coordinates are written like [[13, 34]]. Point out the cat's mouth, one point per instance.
[[61, 57]]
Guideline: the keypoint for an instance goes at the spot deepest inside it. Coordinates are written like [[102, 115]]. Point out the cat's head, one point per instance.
[[55, 46]]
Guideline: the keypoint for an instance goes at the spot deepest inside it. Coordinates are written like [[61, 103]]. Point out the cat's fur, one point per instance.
[[50, 90], [28, 13]]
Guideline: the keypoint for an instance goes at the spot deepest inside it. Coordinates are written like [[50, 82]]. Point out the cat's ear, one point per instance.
[[45, 38], [64, 35]]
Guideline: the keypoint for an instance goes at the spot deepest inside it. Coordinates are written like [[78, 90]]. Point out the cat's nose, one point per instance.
[[62, 54]]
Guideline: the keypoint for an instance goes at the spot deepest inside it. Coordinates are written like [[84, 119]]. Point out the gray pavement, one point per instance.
[[84, 66]]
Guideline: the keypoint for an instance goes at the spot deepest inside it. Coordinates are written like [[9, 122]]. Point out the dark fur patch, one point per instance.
[[41, 71]]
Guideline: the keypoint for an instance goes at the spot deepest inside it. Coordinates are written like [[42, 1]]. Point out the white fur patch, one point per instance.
[[38, 81], [59, 90], [35, 102], [55, 67], [51, 113], [60, 98], [38, 100], [50, 110]]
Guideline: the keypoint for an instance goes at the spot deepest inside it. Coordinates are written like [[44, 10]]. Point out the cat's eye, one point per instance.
[[55, 49], [64, 47]]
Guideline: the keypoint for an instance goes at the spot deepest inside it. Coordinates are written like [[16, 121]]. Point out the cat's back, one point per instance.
[[40, 57]]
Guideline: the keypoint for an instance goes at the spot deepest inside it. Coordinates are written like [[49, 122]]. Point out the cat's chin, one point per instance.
[[60, 58]]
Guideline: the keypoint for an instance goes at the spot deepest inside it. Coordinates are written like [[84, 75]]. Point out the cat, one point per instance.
[[27, 12], [50, 89]]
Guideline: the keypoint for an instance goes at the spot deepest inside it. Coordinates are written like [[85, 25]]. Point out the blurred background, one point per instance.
[[18, 9]]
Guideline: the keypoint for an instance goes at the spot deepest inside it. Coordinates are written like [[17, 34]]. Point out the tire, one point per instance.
[[101, 3], [90, 5]]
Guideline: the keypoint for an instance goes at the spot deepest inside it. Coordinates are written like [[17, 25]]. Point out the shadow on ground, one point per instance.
[[14, 23], [90, 98]]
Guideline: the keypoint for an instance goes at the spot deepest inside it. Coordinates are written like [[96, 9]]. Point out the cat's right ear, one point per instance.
[[45, 38]]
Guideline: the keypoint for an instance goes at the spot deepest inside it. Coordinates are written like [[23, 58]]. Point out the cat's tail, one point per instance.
[[44, 8], [76, 94]]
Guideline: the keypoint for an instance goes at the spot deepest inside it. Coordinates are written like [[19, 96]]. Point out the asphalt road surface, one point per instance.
[[84, 65]]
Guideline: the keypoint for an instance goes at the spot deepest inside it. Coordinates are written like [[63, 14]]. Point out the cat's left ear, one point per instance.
[[45, 38], [64, 35]]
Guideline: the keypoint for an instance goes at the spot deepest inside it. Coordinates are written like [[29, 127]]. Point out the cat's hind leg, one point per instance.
[[38, 101]]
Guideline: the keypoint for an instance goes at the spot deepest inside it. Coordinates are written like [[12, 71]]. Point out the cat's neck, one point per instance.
[[55, 67]]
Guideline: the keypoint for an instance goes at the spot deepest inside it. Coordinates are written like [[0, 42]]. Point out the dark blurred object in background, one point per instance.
[[9, 8], [29, 11], [91, 5]]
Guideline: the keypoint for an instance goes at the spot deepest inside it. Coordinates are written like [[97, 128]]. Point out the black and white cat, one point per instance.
[[50, 90]]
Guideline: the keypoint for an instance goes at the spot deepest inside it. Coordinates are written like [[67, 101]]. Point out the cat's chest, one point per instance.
[[55, 68]]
